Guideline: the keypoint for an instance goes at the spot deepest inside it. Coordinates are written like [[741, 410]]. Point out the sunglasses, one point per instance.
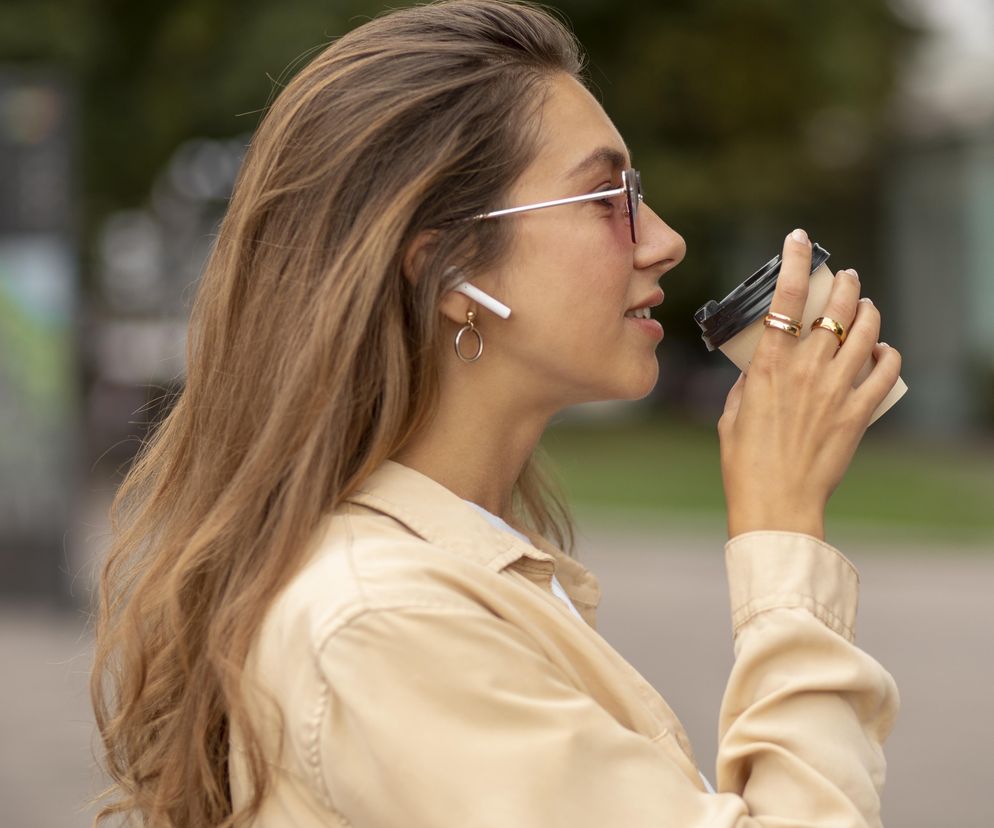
[[631, 187]]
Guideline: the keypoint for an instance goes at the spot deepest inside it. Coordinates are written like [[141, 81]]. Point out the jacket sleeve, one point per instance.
[[450, 716], [805, 712]]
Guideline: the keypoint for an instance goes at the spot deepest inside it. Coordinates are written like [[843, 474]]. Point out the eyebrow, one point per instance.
[[601, 155]]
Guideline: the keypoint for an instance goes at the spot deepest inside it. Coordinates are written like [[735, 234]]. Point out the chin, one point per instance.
[[642, 394], [635, 384], [649, 381], [639, 387]]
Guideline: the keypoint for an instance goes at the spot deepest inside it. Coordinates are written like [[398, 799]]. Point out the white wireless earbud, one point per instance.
[[485, 299]]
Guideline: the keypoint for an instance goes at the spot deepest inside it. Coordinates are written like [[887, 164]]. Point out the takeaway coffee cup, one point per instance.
[[735, 324]]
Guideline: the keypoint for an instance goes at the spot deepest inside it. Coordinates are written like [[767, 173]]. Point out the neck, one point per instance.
[[476, 445]]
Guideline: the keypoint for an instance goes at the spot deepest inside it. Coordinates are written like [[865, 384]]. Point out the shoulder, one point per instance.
[[360, 565], [363, 561]]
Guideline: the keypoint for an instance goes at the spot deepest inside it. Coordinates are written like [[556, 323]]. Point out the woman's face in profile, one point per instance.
[[573, 271]]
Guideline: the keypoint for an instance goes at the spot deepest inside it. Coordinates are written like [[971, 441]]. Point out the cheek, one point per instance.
[[599, 256], [603, 278], [571, 294]]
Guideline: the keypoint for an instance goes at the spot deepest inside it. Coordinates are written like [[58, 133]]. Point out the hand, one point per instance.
[[791, 426]]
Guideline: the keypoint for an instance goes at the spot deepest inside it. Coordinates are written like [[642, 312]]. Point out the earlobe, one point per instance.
[[485, 299], [455, 307]]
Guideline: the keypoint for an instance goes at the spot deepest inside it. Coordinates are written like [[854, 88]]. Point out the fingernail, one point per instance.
[[885, 344], [852, 270], [866, 299], [799, 236]]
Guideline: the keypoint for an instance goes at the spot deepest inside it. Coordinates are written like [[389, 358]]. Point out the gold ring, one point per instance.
[[783, 323], [830, 324], [783, 318]]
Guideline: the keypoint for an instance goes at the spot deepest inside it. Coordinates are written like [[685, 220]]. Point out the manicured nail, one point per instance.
[[866, 299], [799, 236], [885, 344], [852, 270]]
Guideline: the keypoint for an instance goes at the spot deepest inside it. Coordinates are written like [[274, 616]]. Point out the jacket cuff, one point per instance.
[[775, 569]]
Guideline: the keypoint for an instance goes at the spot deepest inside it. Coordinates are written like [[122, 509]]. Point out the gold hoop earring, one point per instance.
[[469, 326]]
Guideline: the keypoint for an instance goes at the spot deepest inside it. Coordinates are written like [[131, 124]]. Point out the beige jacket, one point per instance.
[[428, 676]]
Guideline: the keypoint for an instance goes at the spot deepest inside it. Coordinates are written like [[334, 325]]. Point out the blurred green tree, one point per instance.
[[773, 110], [747, 120]]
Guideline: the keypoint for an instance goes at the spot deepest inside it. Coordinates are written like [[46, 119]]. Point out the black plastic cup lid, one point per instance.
[[720, 321]]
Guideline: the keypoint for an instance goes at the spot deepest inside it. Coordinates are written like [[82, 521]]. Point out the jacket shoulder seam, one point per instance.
[[327, 629], [344, 614]]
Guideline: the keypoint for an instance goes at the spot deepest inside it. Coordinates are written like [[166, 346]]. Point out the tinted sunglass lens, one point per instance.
[[633, 187]]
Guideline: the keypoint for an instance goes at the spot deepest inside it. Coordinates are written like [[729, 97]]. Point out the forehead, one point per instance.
[[575, 134]]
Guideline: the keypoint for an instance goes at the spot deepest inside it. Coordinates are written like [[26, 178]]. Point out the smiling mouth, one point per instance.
[[644, 308]]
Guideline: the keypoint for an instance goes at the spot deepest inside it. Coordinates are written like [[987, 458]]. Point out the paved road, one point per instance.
[[925, 614]]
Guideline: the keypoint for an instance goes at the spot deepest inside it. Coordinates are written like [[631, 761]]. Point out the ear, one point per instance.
[[453, 305], [416, 253]]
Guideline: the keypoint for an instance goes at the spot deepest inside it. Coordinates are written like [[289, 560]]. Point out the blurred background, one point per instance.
[[870, 124]]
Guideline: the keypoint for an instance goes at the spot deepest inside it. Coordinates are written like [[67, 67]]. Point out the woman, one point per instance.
[[337, 593]]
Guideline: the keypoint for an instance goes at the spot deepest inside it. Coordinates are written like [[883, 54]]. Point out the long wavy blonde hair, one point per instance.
[[310, 359]]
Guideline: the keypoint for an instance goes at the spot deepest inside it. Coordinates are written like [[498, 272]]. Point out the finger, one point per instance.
[[841, 307], [791, 291], [882, 378], [863, 333]]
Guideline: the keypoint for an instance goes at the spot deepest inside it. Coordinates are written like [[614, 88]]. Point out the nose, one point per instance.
[[659, 245]]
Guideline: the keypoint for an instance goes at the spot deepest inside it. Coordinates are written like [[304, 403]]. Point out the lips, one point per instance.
[[651, 301], [638, 313]]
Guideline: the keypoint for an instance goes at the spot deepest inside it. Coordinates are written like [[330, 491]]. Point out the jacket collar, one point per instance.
[[442, 518]]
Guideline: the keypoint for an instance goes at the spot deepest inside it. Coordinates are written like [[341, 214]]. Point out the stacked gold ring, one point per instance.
[[830, 324], [783, 323]]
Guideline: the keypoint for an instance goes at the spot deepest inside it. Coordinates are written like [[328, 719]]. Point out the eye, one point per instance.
[[610, 201]]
